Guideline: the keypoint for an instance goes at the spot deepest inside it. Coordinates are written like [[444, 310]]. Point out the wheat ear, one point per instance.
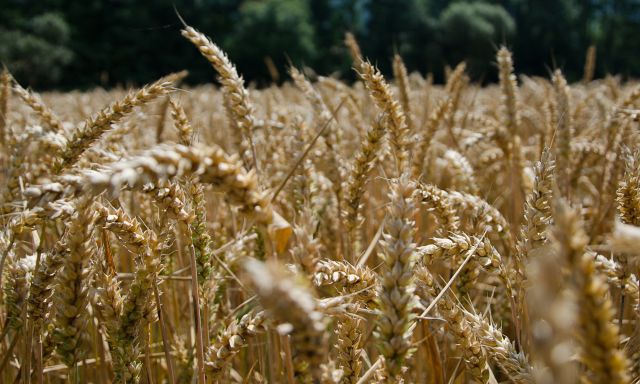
[[348, 279], [564, 133], [354, 49], [231, 341], [296, 309], [349, 348], [185, 131], [599, 334], [5, 94], [396, 297], [472, 351], [70, 297], [589, 64], [97, 125], [508, 136], [538, 215], [209, 165], [46, 115], [501, 350], [628, 193], [137, 308], [360, 171], [439, 114], [307, 248], [508, 86], [395, 119], [402, 79], [237, 97], [16, 289]]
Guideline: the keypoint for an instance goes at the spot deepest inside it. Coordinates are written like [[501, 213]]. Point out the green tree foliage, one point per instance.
[[616, 35], [37, 49], [71, 44], [330, 21], [402, 26], [553, 32], [471, 32], [272, 28]]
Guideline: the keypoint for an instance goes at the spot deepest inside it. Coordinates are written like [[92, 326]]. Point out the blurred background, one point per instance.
[[70, 44]]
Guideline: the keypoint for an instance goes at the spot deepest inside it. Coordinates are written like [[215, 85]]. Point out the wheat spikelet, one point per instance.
[[110, 307], [455, 86], [109, 298], [457, 245], [328, 129], [42, 283], [485, 216], [170, 199], [462, 173], [508, 133], [199, 235], [538, 213]]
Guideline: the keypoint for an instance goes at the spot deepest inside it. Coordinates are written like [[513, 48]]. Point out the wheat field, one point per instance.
[[386, 231]]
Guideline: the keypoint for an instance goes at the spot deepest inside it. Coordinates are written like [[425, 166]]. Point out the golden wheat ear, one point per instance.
[[96, 126], [359, 175], [354, 49], [136, 309], [46, 115], [395, 119], [294, 306], [396, 298], [5, 95], [589, 64], [70, 298], [239, 106], [564, 133]]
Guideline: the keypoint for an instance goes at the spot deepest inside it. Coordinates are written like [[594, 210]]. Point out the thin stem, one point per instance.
[[288, 360], [163, 331], [6, 357], [196, 305]]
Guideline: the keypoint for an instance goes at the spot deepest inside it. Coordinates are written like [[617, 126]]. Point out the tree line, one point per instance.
[[67, 44]]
